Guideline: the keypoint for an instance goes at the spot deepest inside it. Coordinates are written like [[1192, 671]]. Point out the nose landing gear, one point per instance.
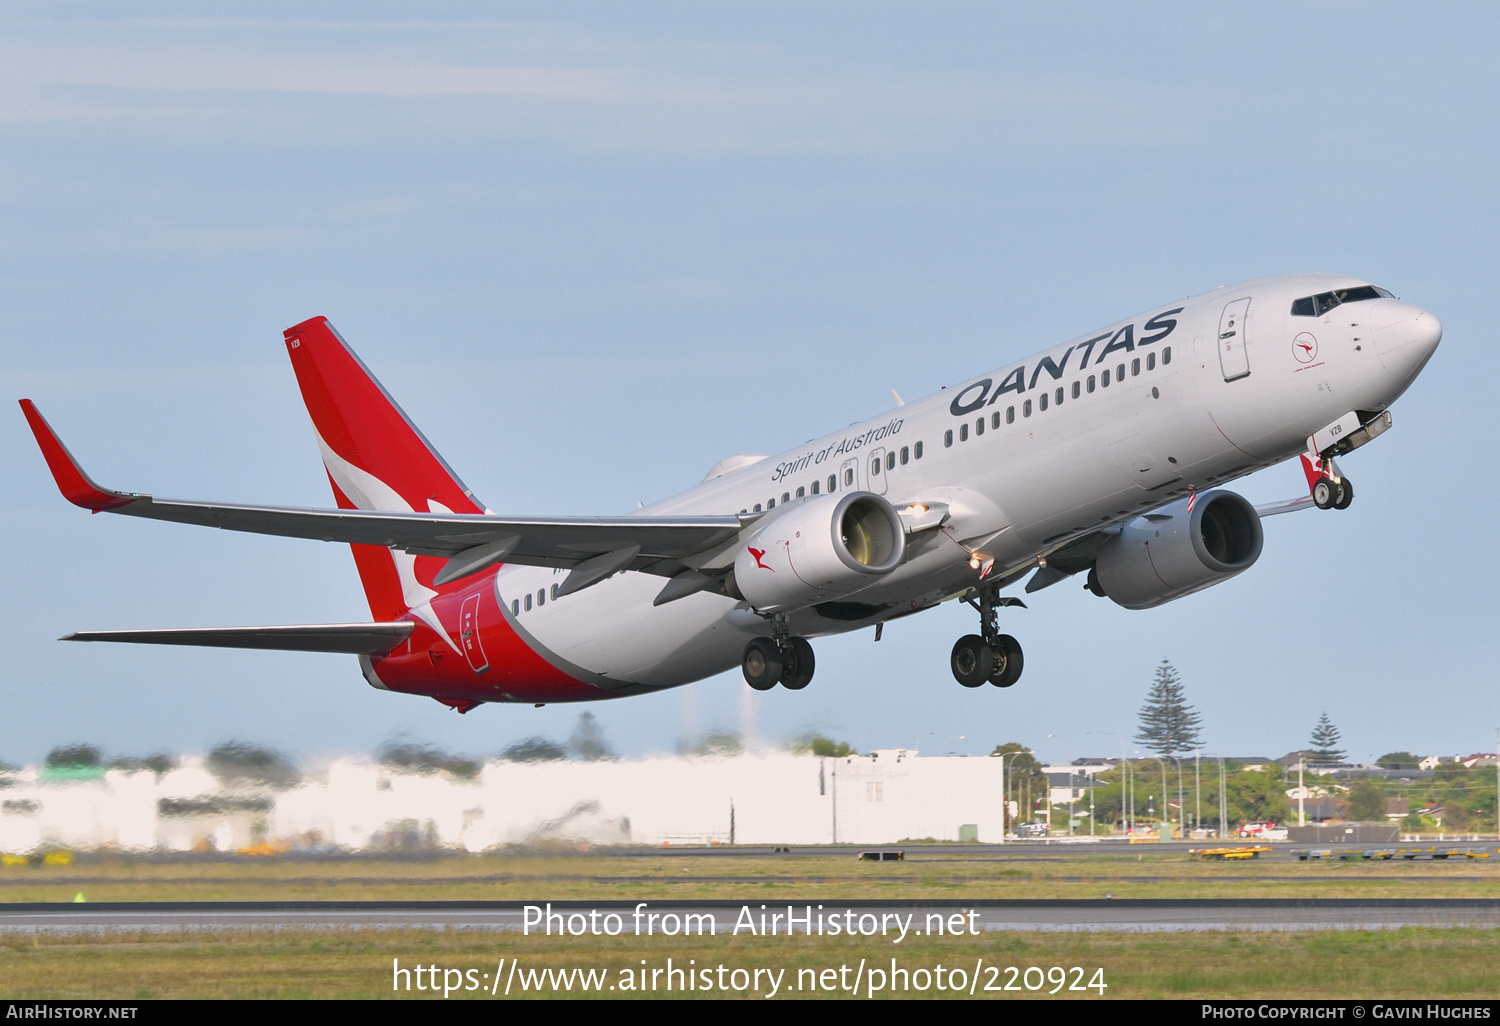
[[780, 659], [1330, 489], [1332, 494], [990, 656]]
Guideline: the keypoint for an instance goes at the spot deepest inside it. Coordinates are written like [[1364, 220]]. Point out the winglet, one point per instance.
[[75, 485]]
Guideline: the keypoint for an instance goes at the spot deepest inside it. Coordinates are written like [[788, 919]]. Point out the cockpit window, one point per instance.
[[1317, 306]]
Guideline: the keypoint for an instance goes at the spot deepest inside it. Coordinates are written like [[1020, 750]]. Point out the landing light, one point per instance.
[[974, 561], [916, 507]]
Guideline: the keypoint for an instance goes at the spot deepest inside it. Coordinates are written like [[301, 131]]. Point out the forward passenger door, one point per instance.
[[1234, 357]]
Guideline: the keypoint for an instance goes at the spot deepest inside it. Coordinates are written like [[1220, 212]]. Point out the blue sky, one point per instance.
[[594, 248]]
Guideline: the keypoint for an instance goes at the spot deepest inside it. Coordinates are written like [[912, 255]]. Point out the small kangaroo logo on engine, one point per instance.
[[757, 553]]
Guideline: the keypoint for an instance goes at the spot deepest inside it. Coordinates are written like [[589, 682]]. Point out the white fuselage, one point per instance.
[[1019, 480]]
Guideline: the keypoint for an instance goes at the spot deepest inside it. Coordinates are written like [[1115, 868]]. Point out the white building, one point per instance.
[[754, 798]]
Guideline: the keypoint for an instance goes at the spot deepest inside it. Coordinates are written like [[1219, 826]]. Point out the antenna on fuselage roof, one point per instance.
[[899, 401]]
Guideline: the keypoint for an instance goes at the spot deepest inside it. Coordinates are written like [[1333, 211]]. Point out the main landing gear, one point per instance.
[[781, 658], [992, 656]]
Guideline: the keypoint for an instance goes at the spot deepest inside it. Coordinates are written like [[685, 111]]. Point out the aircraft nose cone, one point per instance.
[[1407, 342]]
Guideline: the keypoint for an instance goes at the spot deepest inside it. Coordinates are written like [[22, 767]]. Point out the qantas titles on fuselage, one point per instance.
[[1102, 457]]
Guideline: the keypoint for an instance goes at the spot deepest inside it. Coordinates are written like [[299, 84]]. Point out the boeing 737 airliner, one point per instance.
[[1104, 456]]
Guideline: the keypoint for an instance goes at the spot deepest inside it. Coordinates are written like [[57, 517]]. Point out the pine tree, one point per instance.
[[1168, 724], [1325, 744]]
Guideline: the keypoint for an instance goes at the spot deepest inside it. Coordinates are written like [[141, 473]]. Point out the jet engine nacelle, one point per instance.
[[1171, 553], [824, 548]]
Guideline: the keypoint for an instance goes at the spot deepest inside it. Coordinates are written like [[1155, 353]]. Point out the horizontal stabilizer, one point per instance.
[[349, 638]]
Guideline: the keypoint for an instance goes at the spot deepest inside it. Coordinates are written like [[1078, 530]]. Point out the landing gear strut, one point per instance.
[[781, 658], [990, 656]]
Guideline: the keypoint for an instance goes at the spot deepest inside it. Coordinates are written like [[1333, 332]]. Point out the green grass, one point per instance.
[[929, 874], [1407, 963]]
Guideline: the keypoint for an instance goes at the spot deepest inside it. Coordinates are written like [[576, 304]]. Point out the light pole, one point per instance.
[[1166, 805], [1223, 803], [1126, 781], [1072, 753], [1005, 794], [1301, 792], [1134, 822], [1197, 787]]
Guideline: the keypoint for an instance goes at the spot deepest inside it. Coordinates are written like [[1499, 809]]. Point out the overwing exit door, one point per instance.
[[1234, 358], [877, 470]]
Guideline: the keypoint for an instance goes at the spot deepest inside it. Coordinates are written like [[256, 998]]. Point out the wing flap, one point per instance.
[[348, 638]]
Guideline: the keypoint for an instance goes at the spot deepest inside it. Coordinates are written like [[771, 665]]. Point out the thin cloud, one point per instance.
[[683, 97]]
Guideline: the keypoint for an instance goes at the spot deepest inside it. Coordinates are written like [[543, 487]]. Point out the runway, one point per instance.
[[869, 918]]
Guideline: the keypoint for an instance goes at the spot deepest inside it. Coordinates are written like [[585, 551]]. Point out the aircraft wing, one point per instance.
[[654, 544], [1270, 509]]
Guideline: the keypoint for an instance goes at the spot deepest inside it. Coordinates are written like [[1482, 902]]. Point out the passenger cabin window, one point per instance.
[[905, 455], [1104, 379], [916, 451], [1135, 366], [849, 478], [515, 607], [890, 461], [1151, 361], [1090, 384], [528, 602], [803, 491], [757, 507], [815, 487], [963, 432], [1120, 372], [833, 484], [1059, 397], [770, 504], [1041, 403], [786, 497], [875, 467], [979, 426], [947, 438], [554, 591], [1026, 408], [541, 597], [1077, 389], [1010, 415], [1166, 356]]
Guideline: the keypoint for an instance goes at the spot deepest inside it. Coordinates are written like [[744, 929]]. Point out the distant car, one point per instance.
[[1267, 831], [1031, 829]]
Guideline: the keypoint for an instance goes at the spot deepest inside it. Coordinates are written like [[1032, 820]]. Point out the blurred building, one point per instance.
[[361, 805]]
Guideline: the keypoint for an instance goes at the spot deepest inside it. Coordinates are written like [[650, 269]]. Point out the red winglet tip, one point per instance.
[[71, 480]]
